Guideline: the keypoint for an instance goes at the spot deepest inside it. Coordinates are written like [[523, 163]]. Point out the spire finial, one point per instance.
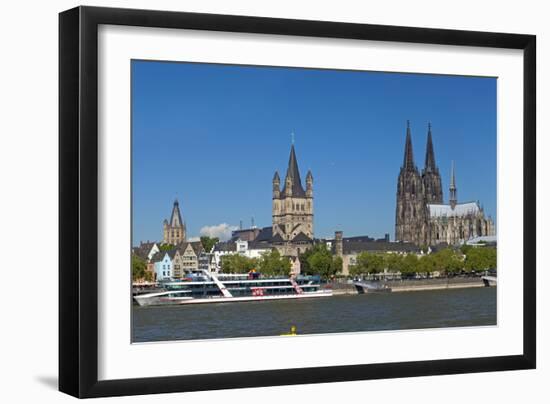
[[292, 137], [452, 187], [429, 126], [408, 124], [453, 184]]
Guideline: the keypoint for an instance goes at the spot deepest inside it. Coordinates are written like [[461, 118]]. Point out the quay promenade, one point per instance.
[[410, 285]]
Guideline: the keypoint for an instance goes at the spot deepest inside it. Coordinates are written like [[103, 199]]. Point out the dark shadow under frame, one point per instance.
[[78, 201]]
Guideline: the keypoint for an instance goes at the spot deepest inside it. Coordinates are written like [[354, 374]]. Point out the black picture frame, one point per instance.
[[78, 200]]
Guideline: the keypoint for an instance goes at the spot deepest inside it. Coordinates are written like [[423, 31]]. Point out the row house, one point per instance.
[[176, 263]]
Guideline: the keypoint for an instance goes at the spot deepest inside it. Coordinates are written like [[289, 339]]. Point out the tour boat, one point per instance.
[[217, 288]]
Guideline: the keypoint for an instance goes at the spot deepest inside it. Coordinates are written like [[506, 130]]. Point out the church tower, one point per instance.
[[174, 231], [292, 210], [431, 179], [411, 212]]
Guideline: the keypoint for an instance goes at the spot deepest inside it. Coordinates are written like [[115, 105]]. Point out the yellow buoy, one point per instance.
[[292, 331]]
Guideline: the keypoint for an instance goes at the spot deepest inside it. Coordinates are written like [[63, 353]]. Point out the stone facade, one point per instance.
[[174, 231], [421, 217], [292, 210]]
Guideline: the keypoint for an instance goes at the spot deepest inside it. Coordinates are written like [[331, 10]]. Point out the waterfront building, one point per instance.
[[177, 264], [421, 216], [163, 266], [174, 230], [348, 248], [190, 252], [146, 250], [292, 210]]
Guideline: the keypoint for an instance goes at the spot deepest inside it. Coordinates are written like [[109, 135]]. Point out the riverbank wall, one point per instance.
[[410, 285]]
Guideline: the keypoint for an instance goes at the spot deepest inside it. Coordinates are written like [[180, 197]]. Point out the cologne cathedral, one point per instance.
[[421, 216]]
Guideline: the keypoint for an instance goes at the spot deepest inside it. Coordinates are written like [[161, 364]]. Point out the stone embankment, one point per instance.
[[409, 285]]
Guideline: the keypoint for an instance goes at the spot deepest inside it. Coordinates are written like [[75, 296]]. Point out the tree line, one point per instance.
[[319, 260], [270, 263], [447, 261]]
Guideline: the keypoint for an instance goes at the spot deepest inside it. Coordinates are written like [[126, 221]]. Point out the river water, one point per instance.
[[369, 312]]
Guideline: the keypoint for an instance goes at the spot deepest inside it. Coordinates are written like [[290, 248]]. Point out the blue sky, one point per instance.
[[213, 136]]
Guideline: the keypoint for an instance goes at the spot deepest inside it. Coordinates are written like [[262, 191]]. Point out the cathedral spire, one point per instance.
[[408, 159], [452, 187], [293, 173], [430, 155]]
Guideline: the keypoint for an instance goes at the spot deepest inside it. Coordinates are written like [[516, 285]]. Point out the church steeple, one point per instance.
[[292, 209], [452, 187], [174, 230], [408, 158], [430, 155], [175, 219], [292, 178]]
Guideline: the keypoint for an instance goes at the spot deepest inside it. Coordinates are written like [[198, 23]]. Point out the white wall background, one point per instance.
[[28, 198]]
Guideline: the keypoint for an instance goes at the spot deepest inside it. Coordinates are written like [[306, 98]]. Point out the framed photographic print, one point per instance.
[[250, 201]]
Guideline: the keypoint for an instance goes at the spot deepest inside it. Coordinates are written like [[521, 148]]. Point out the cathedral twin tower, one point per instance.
[[421, 216]]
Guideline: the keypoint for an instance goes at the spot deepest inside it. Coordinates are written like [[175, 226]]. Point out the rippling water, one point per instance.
[[370, 312]]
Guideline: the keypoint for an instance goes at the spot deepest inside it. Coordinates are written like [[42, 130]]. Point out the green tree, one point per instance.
[[337, 264], [409, 265], [273, 264], [166, 247], [371, 263], [480, 259], [465, 248], [448, 261], [209, 242], [320, 262], [393, 262], [237, 264], [305, 268], [139, 269], [426, 264]]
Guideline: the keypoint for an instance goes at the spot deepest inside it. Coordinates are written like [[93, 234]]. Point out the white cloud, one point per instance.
[[222, 231], [196, 238]]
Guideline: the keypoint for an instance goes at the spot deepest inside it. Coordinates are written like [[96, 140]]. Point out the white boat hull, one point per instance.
[[160, 298]]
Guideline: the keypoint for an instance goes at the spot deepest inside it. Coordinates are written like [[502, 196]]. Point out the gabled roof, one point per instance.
[[277, 239], [143, 250], [301, 237], [172, 253], [159, 256], [197, 247]]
